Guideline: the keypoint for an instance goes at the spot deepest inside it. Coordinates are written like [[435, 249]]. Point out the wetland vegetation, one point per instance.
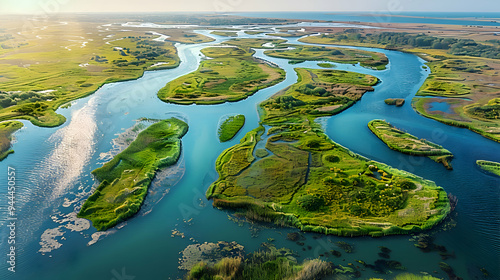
[[490, 166], [408, 144], [266, 263], [395, 101], [6, 130], [257, 43], [396, 40], [463, 71], [339, 55], [124, 181], [225, 33], [231, 75], [230, 127], [33, 86], [312, 183]]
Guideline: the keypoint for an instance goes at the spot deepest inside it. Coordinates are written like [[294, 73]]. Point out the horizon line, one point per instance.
[[234, 12]]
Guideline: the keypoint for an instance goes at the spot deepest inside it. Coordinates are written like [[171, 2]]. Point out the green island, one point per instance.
[[124, 181], [247, 44], [395, 101], [339, 55], [490, 166], [6, 131], [326, 65], [312, 183], [408, 144], [231, 75], [33, 86], [230, 126], [225, 33], [463, 71], [249, 32]]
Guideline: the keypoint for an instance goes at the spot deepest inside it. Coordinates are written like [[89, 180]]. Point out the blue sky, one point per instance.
[[389, 6]]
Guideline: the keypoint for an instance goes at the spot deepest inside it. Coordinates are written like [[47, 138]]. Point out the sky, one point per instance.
[[387, 6]]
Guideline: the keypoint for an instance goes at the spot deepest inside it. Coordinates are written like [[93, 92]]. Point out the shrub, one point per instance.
[[310, 202]]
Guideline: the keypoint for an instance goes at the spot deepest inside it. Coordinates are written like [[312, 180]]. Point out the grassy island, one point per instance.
[[124, 181], [395, 101], [406, 143], [257, 43], [339, 55], [230, 126], [326, 65], [308, 181], [6, 131], [231, 75], [225, 33], [490, 166]]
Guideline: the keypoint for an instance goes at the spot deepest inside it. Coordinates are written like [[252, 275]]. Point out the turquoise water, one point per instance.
[[440, 106], [388, 17], [54, 167]]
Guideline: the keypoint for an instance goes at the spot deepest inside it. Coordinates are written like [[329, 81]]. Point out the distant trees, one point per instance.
[[454, 46]]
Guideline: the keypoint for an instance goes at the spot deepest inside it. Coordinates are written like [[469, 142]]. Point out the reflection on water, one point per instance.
[[60, 179]]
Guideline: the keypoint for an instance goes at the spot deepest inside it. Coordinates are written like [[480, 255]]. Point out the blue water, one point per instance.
[[440, 106], [54, 167], [387, 17]]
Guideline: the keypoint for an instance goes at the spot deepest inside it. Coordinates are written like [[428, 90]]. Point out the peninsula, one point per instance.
[[408, 144]]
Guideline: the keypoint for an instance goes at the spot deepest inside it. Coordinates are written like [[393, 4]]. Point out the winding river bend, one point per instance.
[[53, 177]]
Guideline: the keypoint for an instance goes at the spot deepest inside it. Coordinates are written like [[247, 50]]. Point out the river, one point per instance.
[[53, 176]]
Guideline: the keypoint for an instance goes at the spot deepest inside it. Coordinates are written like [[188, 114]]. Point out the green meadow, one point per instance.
[[225, 33], [308, 181], [124, 181], [231, 75], [490, 166], [42, 73], [230, 126]]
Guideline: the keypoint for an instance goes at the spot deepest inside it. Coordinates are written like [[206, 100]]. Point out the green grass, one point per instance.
[[395, 101], [34, 65], [490, 166], [268, 263], [295, 61], [460, 118], [326, 65], [365, 58], [247, 43], [225, 33], [233, 74], [253, 32], [408, 144], [228, 129], [489, 111], [451, 76], [6, 131], [314, 184], [260, 153], [124, 181]]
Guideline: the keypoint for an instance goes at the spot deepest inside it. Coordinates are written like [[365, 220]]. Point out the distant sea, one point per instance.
[[461, 18]]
